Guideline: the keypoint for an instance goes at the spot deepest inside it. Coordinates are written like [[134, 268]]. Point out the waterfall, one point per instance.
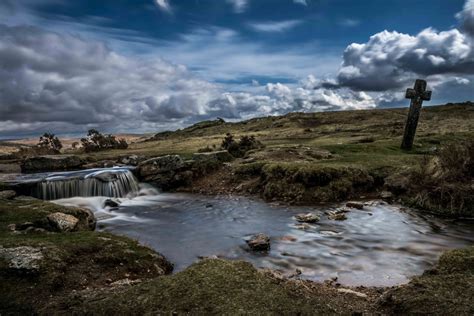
[[113, 182]]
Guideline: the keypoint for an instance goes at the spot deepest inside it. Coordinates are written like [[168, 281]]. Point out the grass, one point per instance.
[[446, 290], [72, 261]]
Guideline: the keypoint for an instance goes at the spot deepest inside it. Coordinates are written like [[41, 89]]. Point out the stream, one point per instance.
[[380, 245]]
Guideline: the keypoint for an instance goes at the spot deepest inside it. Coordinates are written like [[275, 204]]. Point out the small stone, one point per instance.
[[63, 222], [337, 216], [259, 242], [307, 218], [357, 205]]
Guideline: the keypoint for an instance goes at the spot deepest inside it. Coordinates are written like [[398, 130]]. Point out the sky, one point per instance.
[[152, 65]]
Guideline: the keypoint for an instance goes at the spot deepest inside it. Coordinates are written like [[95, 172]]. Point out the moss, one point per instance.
[[446, 290], [250, 170], [72, 261], [210, 287], [304, 183]]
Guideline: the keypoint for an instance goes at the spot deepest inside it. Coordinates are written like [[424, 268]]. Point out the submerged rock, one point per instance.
[[307, 218], [7, 195], [24, 258], [111, 203], [63, 222], [259, 242], [51, 163]]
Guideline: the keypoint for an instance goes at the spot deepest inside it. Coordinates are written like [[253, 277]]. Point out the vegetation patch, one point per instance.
[[448, 289], [303, 183]]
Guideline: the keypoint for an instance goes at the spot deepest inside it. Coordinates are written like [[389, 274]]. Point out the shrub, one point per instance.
[[50, 141], [95, 141], [443, 184], [239, 149]]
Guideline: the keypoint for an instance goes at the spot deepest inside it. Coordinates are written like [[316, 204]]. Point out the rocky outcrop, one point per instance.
[[151, 168], [7, 195], [171, 171], [62, 222], [51, 163], [221, 156], [131, 160], [259, 242], [22, 259]]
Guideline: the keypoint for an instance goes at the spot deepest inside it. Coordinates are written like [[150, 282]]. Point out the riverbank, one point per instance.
[[46, 271]]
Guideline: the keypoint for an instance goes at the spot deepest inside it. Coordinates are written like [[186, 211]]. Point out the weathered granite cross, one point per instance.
[[417, 95]]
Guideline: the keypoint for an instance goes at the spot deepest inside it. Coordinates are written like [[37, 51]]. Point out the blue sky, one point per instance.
[[162, 64]]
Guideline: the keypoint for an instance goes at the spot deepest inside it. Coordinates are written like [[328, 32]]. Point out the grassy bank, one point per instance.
[[39, 267]]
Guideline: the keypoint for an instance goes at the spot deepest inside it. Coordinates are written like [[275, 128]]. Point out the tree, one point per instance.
[[95, 141], [50, 142]]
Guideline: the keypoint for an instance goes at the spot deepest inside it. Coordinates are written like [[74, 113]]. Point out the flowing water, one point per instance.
[[381, 245]]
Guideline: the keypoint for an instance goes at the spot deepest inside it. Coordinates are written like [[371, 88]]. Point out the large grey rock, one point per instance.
[[63, 222], [51, 163], [7, 195], [221, 156], [160, 165], [22, 258]]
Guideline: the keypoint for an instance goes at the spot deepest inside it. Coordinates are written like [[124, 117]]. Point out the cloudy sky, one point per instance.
[[152, 65]]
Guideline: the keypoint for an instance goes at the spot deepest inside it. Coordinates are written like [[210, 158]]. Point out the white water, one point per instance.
[[112, 182]]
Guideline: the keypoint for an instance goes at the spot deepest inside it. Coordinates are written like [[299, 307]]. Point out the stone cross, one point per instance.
[[417, 95]]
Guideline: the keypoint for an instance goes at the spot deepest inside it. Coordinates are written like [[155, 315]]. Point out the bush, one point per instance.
[[443, 184], [48, 144], [95, 141], [239, 149]]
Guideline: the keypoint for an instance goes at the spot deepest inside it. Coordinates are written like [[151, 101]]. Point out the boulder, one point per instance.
[[221, 156], [357, 205], [7, 195], [259, 242], [307, 218], [51, 163], [62, 222], [160, 165], [22, 259], [86, 217]]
